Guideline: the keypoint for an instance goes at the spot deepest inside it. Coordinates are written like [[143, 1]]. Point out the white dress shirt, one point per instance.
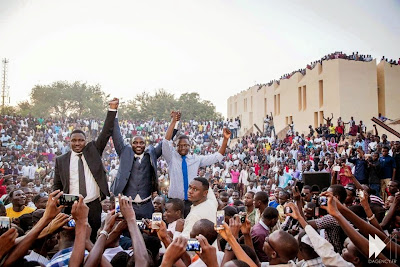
[[205, 210], [92, 188], [174, 160]]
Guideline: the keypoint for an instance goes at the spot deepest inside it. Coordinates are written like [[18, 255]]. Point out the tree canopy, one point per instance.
[[79, 99]]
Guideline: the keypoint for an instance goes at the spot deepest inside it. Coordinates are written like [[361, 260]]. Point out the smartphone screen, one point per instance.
[[5, 224], [118, 208], [156, 220], [193, 245], [220, 219], [68, 199]]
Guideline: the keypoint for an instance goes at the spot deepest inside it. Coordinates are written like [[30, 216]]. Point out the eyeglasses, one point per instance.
[[267, 240]]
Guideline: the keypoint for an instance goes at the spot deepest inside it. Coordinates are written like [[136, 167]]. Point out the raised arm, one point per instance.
[[25, 244], [175, 117], [141, 255], [227, 135], [117, 137], [107, 130], [359, 241]]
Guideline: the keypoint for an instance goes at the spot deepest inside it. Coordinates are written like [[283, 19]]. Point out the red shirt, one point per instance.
[[343, 179]]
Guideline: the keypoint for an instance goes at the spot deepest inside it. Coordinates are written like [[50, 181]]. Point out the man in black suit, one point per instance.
[[81, 170]]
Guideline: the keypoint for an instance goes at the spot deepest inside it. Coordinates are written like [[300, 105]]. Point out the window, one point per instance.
[[304, 97], [275, 105], [321, 93], [315, 119], [245, 105], [279, 104], [321, 117], [300, 99]]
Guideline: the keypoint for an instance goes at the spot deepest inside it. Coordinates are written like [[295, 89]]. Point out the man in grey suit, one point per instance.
[[137, 173]]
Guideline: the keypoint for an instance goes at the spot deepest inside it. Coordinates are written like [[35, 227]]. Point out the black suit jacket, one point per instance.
[[92, 153]]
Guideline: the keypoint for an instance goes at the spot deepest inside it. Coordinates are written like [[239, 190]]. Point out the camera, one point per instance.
[[68, 199], [141, 225], [193, 245], [320, 200], [220, 219], [156, 220]]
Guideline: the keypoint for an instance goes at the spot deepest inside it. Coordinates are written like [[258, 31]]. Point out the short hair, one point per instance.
[[206, 228], [177, 204], [230, 211], [307, 187], [339, 191], [262, 196], [386, 147], [38, 197], [203, 181], [238, 203], [270, 213], [120, 259], [251, 192], [182, 136], [223, 194], [78, 131]]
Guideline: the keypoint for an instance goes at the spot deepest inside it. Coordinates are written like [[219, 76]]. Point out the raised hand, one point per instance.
[[80, 210], [52, 208], [59, 221], [7, 241], [110, 221], [162, 231], [113, 104], [225, 232], [126, 208], [245, 228], [234, 225], [227, 133], [174, 251], [295, 214], [208, 253]]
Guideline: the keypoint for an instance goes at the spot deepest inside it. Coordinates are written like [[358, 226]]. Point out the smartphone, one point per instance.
[[68, 199], [336, 168], [288, 210], [118, 208], [141, 225], [156, 220], [193, 245], [220, 219], [322, 201], [71, 223], [5, 224], [360, 193]]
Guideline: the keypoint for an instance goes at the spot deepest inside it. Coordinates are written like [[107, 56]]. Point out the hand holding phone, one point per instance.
[[156, 220], [220, 219]]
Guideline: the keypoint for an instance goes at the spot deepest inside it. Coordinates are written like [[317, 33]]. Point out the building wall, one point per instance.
[[389, 89], [342, 87]]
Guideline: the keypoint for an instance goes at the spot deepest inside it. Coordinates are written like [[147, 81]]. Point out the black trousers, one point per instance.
[[94, 218]]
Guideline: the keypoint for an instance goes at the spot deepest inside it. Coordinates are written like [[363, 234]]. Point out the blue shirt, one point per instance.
[[62, 257], [360, 168], [387, 166]]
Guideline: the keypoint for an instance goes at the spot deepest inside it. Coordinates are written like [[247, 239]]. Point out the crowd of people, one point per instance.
[[338, 54], [191, 193]]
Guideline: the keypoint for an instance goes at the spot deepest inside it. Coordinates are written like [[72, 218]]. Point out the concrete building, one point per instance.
[[340, 87]]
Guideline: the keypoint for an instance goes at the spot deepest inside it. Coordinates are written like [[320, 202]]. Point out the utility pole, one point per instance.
[[4, 91]]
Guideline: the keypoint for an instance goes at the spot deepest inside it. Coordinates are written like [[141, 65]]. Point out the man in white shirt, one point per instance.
[[204, 206]]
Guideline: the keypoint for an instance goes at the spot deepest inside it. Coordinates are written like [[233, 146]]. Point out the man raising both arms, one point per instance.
[[183, 167]]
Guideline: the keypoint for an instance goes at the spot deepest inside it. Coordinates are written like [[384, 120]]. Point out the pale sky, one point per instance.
[[215, 48]]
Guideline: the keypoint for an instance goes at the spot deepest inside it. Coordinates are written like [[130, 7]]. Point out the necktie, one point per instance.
[[82, 182], [185, 176]]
